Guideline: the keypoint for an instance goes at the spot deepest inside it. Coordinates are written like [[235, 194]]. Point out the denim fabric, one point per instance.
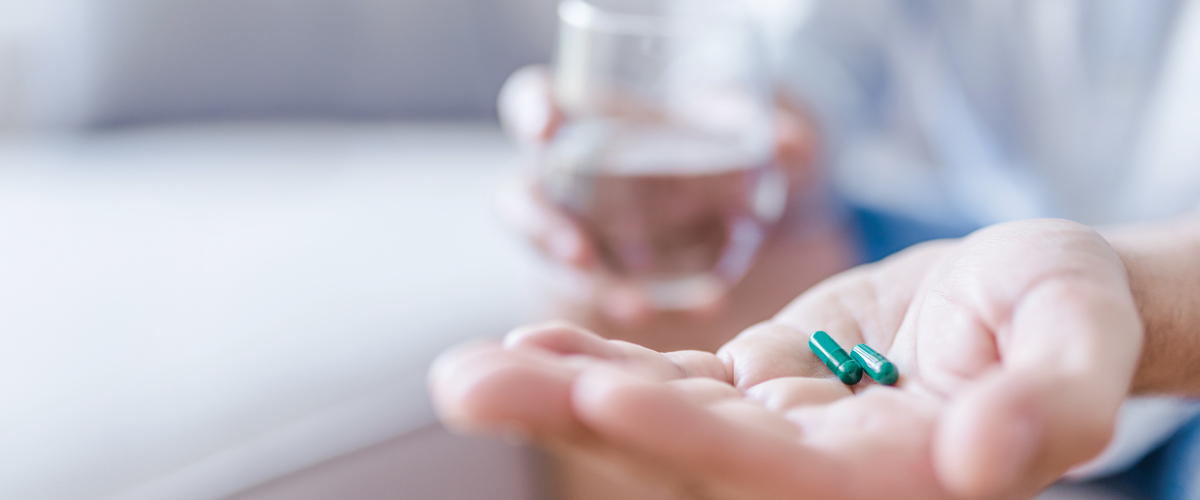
[[1171, 472], [1179, 474], [882, 234]]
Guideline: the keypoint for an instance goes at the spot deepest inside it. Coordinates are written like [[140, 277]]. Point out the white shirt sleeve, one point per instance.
[[1142, 425]]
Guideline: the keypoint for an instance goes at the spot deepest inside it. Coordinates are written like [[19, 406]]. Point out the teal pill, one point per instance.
[[832, 354], [877, 366]]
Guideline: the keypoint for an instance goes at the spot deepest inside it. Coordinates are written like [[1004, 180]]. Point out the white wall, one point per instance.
[[81, 63]]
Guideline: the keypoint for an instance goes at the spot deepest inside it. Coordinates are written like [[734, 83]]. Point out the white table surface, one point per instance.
[[186, 312]]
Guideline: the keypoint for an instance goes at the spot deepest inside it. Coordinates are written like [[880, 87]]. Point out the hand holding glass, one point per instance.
[[665, 156]]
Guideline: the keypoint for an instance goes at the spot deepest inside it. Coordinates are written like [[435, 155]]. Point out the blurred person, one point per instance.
[[927, 118], [944, 117], [577, 286]]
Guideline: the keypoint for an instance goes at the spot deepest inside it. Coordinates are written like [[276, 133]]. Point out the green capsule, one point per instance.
[[832, 354], [877, 366]]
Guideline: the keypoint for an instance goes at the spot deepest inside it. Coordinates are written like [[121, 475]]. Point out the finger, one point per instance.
[[705, 391], [566, 339], [602, 457], [885, 432], [658, 422], [874, 413], [700, 364], [526, 106], [1016, 434], [484, 388], [741, 412], [522, 208], [767, 351], [997, 420], [563, 338], [793, 138], [786, 393], [795, 146], [1065, 372], [1024, 428], [775, 349]]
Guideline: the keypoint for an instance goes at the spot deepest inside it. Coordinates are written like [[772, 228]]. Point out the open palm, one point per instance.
[[1016, 347]]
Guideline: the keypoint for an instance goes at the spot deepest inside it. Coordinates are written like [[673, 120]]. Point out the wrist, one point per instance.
[[1163, 266]]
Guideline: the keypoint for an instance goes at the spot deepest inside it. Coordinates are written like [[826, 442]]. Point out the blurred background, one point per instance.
[[87, 64], [235, 232]]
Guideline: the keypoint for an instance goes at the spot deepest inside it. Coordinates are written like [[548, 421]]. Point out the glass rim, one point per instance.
[[585, 14]]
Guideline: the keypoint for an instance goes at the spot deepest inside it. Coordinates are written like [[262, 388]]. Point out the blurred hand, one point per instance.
[[1016, 347], [528, 114]]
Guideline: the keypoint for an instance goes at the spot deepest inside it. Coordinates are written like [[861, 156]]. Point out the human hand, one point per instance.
[[529, 116], [1016, 347]]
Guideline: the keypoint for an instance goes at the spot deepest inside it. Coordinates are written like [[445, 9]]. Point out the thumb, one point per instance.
[[526, 106], [1014, 434], [1065, 370]]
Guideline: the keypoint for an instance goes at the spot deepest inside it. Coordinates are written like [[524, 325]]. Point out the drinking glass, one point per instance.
[[665, 154]]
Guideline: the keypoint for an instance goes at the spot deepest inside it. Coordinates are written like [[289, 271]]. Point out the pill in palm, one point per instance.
[[876, 366], [832, 354]]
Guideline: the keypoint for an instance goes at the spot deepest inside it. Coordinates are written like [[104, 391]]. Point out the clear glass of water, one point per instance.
[[665, 155]]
